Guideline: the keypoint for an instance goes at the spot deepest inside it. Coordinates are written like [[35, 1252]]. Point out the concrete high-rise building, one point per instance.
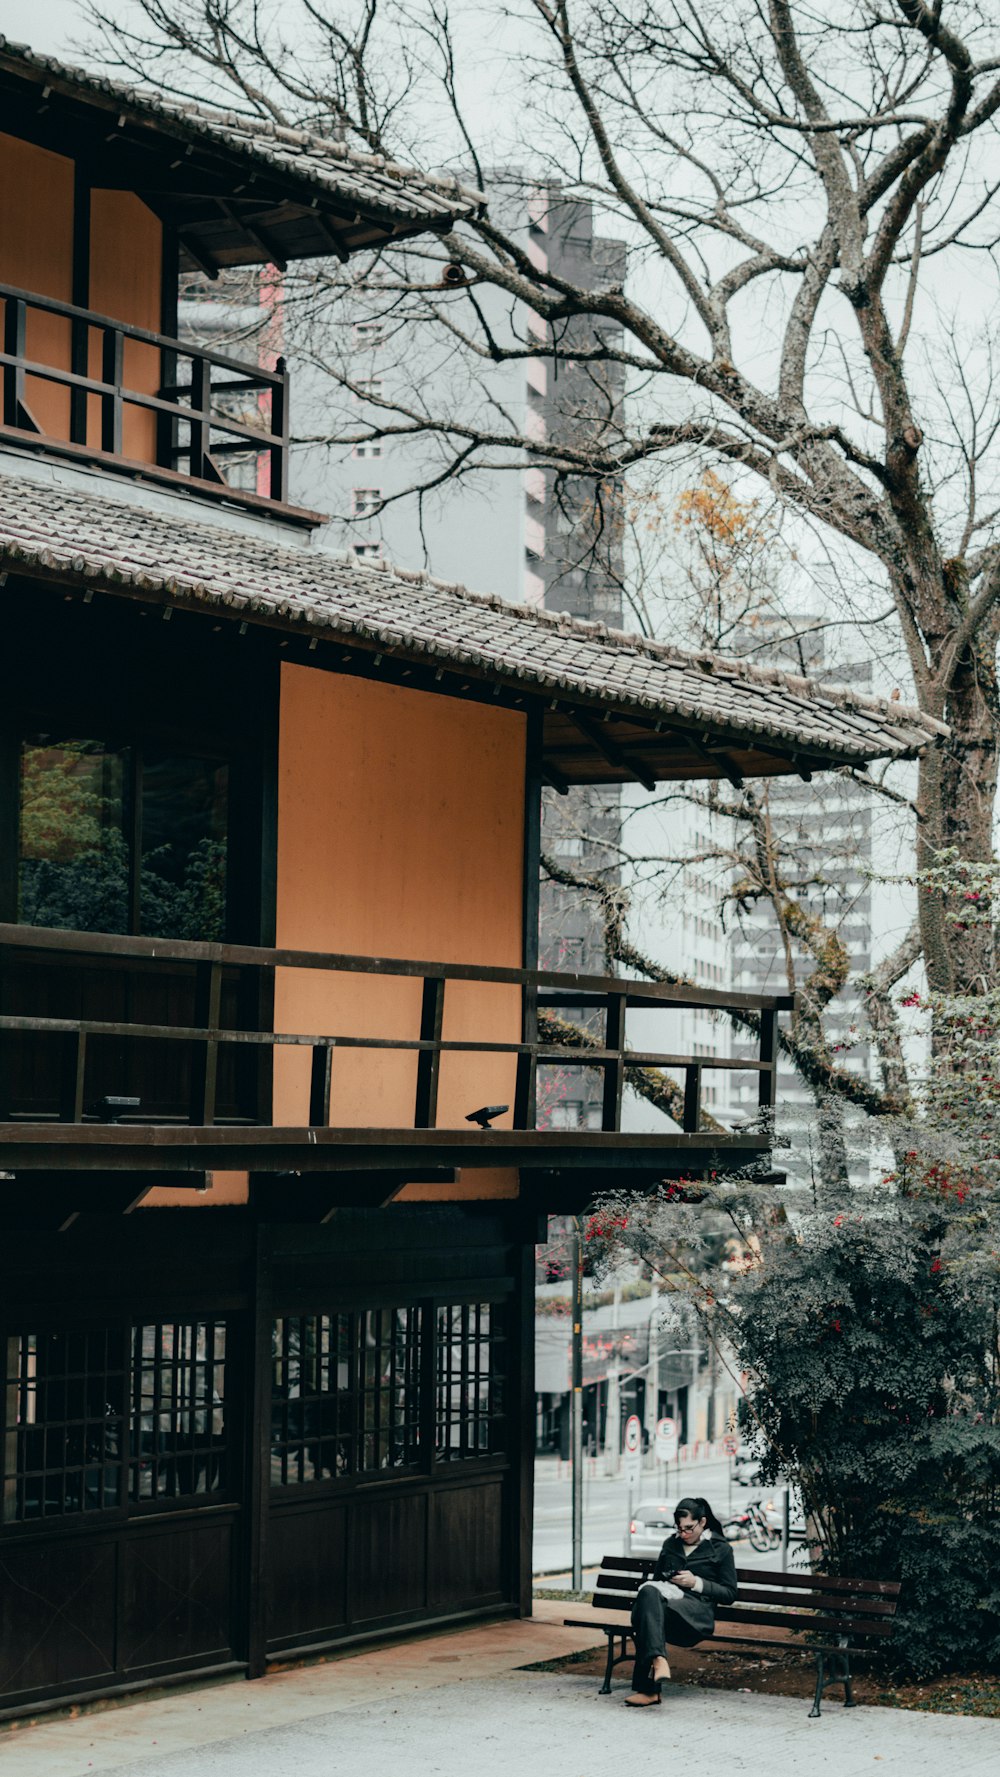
[[822, 831]]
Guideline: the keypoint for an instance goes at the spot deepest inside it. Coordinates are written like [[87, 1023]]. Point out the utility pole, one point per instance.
[[576, 1409]]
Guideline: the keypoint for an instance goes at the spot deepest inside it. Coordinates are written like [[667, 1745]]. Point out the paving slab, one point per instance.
[[554, 1726]]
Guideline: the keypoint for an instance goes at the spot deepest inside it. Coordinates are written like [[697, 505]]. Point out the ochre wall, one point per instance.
[[126, 271], [400, 834], [36, 253]]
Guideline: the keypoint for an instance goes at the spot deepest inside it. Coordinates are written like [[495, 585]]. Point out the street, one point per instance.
[[606, 1507]]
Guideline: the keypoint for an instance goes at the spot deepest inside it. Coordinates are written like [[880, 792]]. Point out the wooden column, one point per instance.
[[524, 1091], [257, 1490]]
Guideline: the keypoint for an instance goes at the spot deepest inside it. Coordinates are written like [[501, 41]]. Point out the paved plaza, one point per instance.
[[449, 1705]]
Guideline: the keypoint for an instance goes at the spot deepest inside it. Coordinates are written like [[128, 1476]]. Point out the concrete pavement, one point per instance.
[[448, 1704]]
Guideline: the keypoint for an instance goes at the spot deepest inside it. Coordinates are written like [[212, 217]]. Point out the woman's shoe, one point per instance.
[[641, 1699], [660, 1668]]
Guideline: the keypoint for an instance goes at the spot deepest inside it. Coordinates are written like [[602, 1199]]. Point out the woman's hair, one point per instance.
[[698, 1508]]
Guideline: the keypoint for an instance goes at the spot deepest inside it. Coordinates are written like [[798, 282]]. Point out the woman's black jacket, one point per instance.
[[711, 1561]]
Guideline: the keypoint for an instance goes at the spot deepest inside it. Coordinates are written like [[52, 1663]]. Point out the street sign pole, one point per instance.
[[576, 1411], [633, 1466]]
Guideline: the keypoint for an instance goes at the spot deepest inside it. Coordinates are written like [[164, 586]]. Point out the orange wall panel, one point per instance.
[[36, 254], [400, 833], [126, 270]]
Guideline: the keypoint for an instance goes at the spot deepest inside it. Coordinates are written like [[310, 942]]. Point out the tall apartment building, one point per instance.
[[824, 831]]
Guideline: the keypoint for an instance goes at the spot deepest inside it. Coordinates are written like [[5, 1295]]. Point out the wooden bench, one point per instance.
[[847, 1613]]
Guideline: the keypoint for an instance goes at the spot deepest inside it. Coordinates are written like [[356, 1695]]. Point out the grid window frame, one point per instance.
[[60, 1465], [410, 1406], [180, 1426], [65, 1441], [470, 1381]]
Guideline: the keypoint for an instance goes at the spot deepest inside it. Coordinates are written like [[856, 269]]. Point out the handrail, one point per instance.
[[571, 987], [611, 1057], [187, 413], [165, 340]]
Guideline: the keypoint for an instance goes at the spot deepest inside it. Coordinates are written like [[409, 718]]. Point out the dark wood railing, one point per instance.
[[199, 404], [539, 990]]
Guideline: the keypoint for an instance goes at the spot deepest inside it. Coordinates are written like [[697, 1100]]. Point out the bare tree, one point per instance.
[[803, 188]]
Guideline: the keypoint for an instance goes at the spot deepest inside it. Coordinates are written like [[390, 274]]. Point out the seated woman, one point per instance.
[[694, 1572]]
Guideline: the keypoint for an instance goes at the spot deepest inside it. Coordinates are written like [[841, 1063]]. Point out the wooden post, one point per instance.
[[71, 1099], [692, 1098], [15, 411], [320, 1082], [113, 375], [278, 483], [258, 1455], [204, 1067], [767, 1079], [201, 400], [614, 1071], [429, 1060]]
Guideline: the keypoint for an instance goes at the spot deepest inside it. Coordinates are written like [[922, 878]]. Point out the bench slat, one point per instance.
[[819, 1598], [756, 1576], [808, 1620]]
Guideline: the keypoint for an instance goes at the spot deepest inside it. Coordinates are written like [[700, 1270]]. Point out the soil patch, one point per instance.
[[791, 1674]]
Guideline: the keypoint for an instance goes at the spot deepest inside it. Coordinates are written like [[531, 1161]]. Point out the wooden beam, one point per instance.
[[554, 777], [257, 236], [613, 753]]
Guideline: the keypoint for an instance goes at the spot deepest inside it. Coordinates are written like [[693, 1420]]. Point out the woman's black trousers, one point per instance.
[[656, 1624]]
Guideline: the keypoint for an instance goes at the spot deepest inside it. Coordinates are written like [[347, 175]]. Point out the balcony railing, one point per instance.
[[205, 410], [218, 974]]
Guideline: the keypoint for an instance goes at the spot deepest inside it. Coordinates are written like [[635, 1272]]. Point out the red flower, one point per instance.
[[936, 1266]]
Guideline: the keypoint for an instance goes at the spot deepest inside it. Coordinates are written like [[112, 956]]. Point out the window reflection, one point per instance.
[[114, 839], [74, 863], [183, 880]]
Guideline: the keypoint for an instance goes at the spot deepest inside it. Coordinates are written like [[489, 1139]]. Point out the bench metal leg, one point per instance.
[[820, 1675], [833, 1668], [605, 1690]]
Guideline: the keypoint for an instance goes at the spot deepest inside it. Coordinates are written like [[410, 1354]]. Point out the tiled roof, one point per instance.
[[119, 546], [310, 164]]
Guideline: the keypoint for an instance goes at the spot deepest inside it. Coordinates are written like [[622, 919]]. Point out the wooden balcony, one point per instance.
[[201, 1079], [91, 389]]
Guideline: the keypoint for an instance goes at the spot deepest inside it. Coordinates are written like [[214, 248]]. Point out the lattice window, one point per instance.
[[313, 1398], [179, 1436], [469, 1381], [389, 1375], [63, 1439], [345, 1394]]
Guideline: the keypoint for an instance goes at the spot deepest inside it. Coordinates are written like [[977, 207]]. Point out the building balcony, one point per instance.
[[161, 1058], [89, 389]]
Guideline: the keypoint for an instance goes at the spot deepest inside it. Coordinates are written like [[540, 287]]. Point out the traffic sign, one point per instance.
[[730, 1443], [633, 1449], [667, 1437]]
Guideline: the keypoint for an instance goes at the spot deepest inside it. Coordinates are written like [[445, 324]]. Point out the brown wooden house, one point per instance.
[[268, 921]]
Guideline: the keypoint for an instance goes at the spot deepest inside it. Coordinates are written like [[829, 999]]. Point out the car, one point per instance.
[[651, 1523], [746, 1466]]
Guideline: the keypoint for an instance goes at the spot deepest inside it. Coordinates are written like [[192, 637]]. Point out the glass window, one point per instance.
[[183, 879], [114, 839], [469, 1383], [313, 1397], [178, 1433], [345, 1396], [74, 860], [63, 1442], [389, 1376]]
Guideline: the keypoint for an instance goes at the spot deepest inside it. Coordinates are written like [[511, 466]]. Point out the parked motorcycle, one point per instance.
[[760, 1521], [752, 1523]]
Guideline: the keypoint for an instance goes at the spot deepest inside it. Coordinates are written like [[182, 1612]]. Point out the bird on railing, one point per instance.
[[486, 1113]]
